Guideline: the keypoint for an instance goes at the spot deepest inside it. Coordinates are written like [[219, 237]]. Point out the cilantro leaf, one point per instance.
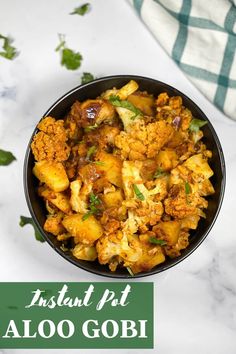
[[81, 10], [9, 51], [89, 128], [196, 124], [94, 200], [117, 102], [137, 192], [91, 151], [159, 173], [6, 157], [157, 242], [87, 215], [188, 188], [99, 163], [69, 58], [86, 77], [24, 220]]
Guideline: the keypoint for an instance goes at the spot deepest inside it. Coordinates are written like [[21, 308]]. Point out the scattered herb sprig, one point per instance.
[[24, 220], [87, 77], [138, 193], [196, 124], [81, 10], [6, 157], [157, 241], [94, 201], [117, 102], [69, 58], [9, 52]]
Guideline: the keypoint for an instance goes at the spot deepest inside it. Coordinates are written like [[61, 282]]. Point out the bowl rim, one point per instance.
[[176, 260]]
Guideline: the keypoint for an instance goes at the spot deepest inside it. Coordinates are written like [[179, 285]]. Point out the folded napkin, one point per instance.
[[200, 35]]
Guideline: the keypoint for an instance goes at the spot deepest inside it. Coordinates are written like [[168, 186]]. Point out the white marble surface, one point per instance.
[[195, 302]]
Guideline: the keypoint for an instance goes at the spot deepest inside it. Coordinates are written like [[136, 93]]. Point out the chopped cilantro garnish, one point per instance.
[[196, 124], [69, 58], [86, 216], [137, 192], [159, 173], [93, 202], [188, 189], [99, 163], [117, 102], [6, 157], [90, 127], [9, 52], [91, 151], [25, 220], [81, 10], [157, 242], [86, 77]]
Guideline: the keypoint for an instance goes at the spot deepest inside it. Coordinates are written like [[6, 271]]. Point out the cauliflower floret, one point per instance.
[[84, 252], [53, 224], [127, 117], [129, 251], [199, 165], [131, 176], [50, 142], [162, 99], [79, 195], [151, 257], [143, 212], [148, 214], [119, 245], [179, 204], [145, 140], [186, 117]]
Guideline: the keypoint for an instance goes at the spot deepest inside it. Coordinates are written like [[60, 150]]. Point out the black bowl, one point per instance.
[[92, 90]]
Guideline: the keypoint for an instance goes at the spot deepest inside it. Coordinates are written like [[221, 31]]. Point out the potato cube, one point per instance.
[[85, 231], [190, 222], [53, 174], [60, 200], [111, 166], [151, 257], [113, 199], [170, 231], [167, 159], [144, 103]]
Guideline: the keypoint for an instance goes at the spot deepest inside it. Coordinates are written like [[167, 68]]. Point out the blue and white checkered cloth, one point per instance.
[[200, 35]]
